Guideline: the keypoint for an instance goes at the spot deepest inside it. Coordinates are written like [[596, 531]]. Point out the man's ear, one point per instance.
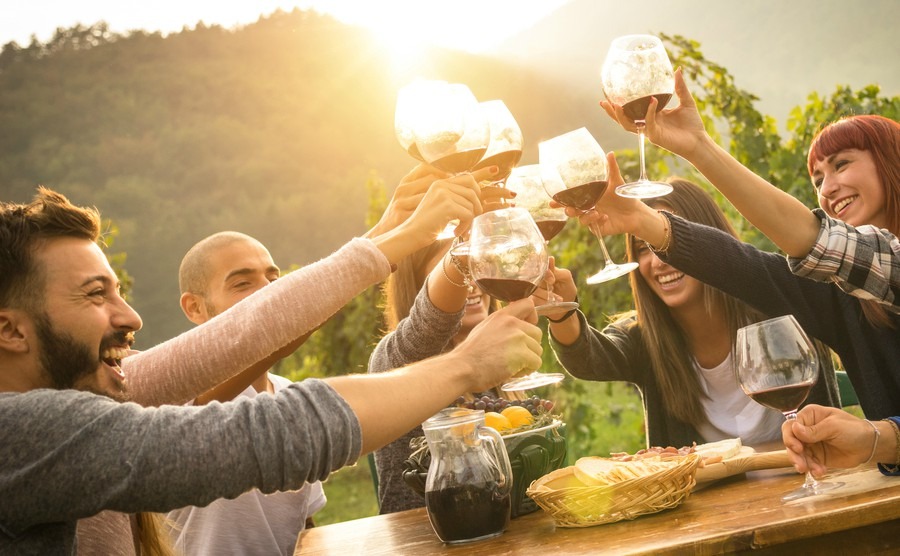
[[194, 307], [15, 331]]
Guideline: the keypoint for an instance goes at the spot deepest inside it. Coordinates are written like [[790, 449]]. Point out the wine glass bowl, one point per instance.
[[777, 366], [412, 101], [507, 255], [637, 69], [505, 145], [454, 133], [574, 173]]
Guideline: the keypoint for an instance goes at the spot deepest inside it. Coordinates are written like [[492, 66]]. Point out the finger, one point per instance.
[[650, 116], [424, 171], [485, 174], [615, 175], [685, 98]]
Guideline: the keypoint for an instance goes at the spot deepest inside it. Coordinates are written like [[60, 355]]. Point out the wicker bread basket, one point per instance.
[[571, 503]]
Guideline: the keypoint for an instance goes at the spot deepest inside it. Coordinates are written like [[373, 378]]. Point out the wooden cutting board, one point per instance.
[[747, 460]]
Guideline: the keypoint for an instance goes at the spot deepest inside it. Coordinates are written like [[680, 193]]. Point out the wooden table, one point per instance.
[[736, 514]]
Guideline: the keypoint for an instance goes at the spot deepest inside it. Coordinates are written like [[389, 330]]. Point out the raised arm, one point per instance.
[[782, 218]]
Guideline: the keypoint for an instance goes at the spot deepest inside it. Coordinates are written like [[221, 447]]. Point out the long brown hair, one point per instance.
[[880, 137], [670, 355]]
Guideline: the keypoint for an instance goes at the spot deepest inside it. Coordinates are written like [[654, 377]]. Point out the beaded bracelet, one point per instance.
[[875, 440]]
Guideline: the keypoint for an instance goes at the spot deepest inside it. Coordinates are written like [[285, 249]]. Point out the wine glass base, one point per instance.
[[643, 189], [611, 272], [806, 491], [553, 307], [532, 380]]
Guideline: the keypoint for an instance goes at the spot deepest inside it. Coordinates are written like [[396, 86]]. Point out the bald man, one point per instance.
[[216, 273]]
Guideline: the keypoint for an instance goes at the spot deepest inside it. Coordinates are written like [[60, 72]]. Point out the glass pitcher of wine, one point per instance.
[[469, 482]]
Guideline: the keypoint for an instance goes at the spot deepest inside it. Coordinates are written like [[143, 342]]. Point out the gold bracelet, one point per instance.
[[465, 283], [897, 437], [667, 235], [874, 441]]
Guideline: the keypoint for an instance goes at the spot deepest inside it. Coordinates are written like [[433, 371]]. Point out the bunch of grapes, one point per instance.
[[533, 404]]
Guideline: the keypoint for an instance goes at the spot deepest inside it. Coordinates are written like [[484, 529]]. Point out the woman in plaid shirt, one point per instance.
[[855, 167]]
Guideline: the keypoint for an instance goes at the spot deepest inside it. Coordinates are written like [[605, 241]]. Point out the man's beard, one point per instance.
[[66, 361]]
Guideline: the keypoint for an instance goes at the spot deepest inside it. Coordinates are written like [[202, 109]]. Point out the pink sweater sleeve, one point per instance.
[[180, 369]]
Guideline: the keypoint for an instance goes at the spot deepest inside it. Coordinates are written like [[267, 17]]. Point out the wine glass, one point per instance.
[[637, 68], [575, 174], [777, 366], [507, 260], [529, 187], [505, 145], [412, 100], [452, 133]]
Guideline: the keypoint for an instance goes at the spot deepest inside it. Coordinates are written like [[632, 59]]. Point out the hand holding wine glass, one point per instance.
[[507, 260], [777, 366], [574, 173], [528, 186], [636, 70]]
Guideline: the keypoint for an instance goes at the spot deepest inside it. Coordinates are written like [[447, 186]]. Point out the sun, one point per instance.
[[406, 26]]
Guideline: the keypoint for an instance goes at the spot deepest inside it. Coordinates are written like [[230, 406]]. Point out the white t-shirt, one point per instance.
[[731, 412], [253, 523]]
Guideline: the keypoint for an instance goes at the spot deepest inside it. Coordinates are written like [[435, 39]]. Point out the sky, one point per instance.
[[463, 24]]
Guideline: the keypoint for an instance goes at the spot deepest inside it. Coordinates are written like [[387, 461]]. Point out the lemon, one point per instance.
[[518, 416], [496, 421]]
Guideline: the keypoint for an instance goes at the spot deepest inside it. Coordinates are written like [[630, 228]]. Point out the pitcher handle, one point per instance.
[[501, 457]]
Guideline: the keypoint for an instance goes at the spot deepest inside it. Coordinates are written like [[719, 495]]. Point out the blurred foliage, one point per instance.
[[270, 129], [283, 129]]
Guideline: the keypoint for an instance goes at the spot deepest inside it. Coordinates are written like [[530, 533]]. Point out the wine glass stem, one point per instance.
[[641, 125], [595, 229], [810, 482]]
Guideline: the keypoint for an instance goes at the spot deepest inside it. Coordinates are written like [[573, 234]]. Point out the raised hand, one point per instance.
[[504, 344], [679, 129]]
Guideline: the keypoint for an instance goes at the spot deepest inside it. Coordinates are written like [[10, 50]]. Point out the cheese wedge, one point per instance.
[[725, 449]]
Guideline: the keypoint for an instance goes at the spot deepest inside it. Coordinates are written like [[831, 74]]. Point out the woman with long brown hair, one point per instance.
[[677, 344]]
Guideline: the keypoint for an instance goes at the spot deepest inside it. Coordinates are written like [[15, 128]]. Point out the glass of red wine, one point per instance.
[[777, 366], [412, 100], [530, 195], [575, 174], [505, 146], [452, 133], [508, 260], [637, 68]]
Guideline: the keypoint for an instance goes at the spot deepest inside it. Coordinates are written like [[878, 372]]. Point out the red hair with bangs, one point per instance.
[[877, 135]]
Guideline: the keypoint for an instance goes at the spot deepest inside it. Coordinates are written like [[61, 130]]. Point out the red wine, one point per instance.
[[505, 161], [413, 151], [783, 398], [637, 109], [506, 289], [467, 512], [549, 228], [459, 162], [582, 197]]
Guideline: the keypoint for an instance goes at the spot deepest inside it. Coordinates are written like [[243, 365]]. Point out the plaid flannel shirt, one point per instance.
[[863, 261]]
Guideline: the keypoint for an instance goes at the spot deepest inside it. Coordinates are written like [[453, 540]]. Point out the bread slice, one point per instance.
[[596, 471]]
